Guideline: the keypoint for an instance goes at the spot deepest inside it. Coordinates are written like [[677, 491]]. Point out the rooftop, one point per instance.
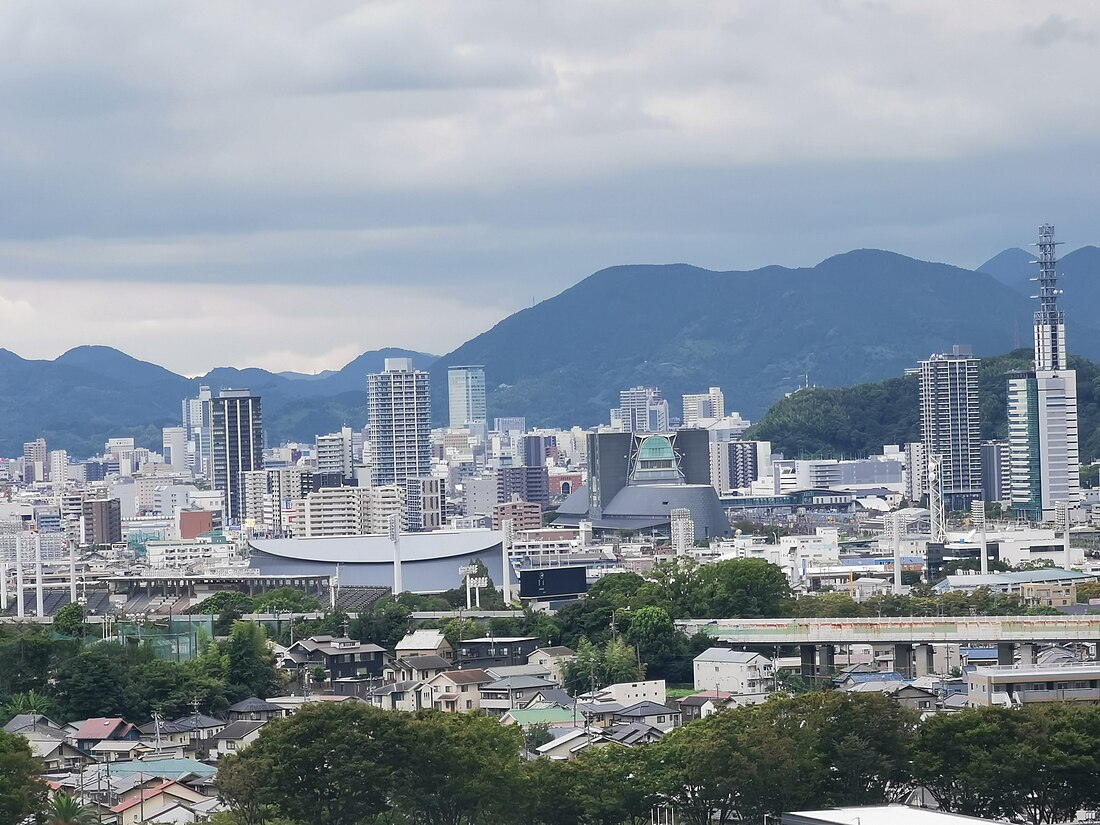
[[725, 654], [880, 815]]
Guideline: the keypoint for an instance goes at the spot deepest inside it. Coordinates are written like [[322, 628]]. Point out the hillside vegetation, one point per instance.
[[852, 422]]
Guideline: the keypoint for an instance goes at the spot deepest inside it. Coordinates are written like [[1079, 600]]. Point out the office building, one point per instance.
[[466, 397], [399, 423], [536, 448], [704, 406], [510, 424], [237, 444], [951, 424], [1042, 408], [174, 448], [641, 410]]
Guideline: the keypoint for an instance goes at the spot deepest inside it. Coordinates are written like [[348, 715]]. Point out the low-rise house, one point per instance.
[[552, 696], [28, 723], [748, 675], [649, 713], [121, 750], [236, 735], [490, 651], [551, 716], [424, 643], [254, 709], [701, 705], [511, 692], [167, 736], [629, 693], [90, 732], [419, 668], [570, 743], [1026, 684], [454, 691], [554, 659], [905, 694], [504, 671], [633, 733], [395, 696], [338, 656], [55, 754], [141, 806], [292, 704]]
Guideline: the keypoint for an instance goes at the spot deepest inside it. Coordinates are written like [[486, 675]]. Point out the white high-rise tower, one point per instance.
[[1042, 407]]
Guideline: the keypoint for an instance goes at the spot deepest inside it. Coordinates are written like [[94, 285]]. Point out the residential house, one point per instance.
[[424, 643], [749, 676], [633, 733], [650, 713], [555, 697], [489, 651], [570, 743], [166, 736], [140, 806], [292, 704], [395, 695], [201, 729], [904, 693], [27, 723], [123, 750], [511, 692], [254, 709], [454, 691], [552, 716], [90, 732], [418, 668], [701, 705], [339, 657], [55, 754], [554, 659], [629, 693], [1026, 684], [504, 671], [236, 735]]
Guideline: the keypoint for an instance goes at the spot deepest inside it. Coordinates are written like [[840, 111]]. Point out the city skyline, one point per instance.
[[435, 179]]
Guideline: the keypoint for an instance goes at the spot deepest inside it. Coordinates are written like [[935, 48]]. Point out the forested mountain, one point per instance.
[[852, 422]]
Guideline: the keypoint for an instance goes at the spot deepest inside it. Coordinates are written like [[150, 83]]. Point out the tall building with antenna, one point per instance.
[[1042, 407]]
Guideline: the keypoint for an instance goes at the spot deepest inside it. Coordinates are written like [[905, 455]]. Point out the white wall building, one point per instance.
[[749, 676]]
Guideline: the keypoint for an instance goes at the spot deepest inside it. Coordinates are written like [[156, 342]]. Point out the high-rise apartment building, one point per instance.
[[59, 467], [237, 444], [102, 521], [1042, 407], [996, 470], [196, 423], [424, 504], [336, 453], [466, 396], [399, 423], [711, 404], [641, 410], [35, 461], [951, 424]]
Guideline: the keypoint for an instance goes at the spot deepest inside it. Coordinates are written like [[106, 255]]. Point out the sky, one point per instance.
[[286, 185]]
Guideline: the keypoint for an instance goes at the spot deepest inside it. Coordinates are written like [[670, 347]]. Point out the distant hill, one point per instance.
[[1080, 281], [90, 393], [856, 317], [854, 422]]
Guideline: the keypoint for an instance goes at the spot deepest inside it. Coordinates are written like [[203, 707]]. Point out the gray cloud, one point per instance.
[[439, 165]]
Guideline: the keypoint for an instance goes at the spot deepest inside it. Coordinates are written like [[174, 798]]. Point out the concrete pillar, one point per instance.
[[39, 605], [903, 660], [826, 657], [808, 654], [1027, 654], [1005, 651], [925, 660], [20, 608]]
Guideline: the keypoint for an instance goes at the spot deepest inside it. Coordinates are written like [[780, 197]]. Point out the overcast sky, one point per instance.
[[286, 185]]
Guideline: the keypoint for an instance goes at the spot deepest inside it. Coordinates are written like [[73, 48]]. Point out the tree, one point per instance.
[[747, 588], [537, 735], [458, 769], [286, 599], [67, 810], [97, 682], [29, 702], [69, 620], [620, 663], [227, 601], [663, 649], [22, 793], [251, 670], [613, 784], [329, 764]]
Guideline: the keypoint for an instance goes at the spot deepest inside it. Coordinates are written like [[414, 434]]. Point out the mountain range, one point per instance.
[[861, 316]]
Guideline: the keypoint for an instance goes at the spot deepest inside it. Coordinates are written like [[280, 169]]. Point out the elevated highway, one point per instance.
[[912, 638]]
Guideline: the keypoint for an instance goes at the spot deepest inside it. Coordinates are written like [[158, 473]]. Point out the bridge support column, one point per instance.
[[1027, 654], [1005, 653], [925, 660], [809, 666], [903, 660], [826, 659]]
